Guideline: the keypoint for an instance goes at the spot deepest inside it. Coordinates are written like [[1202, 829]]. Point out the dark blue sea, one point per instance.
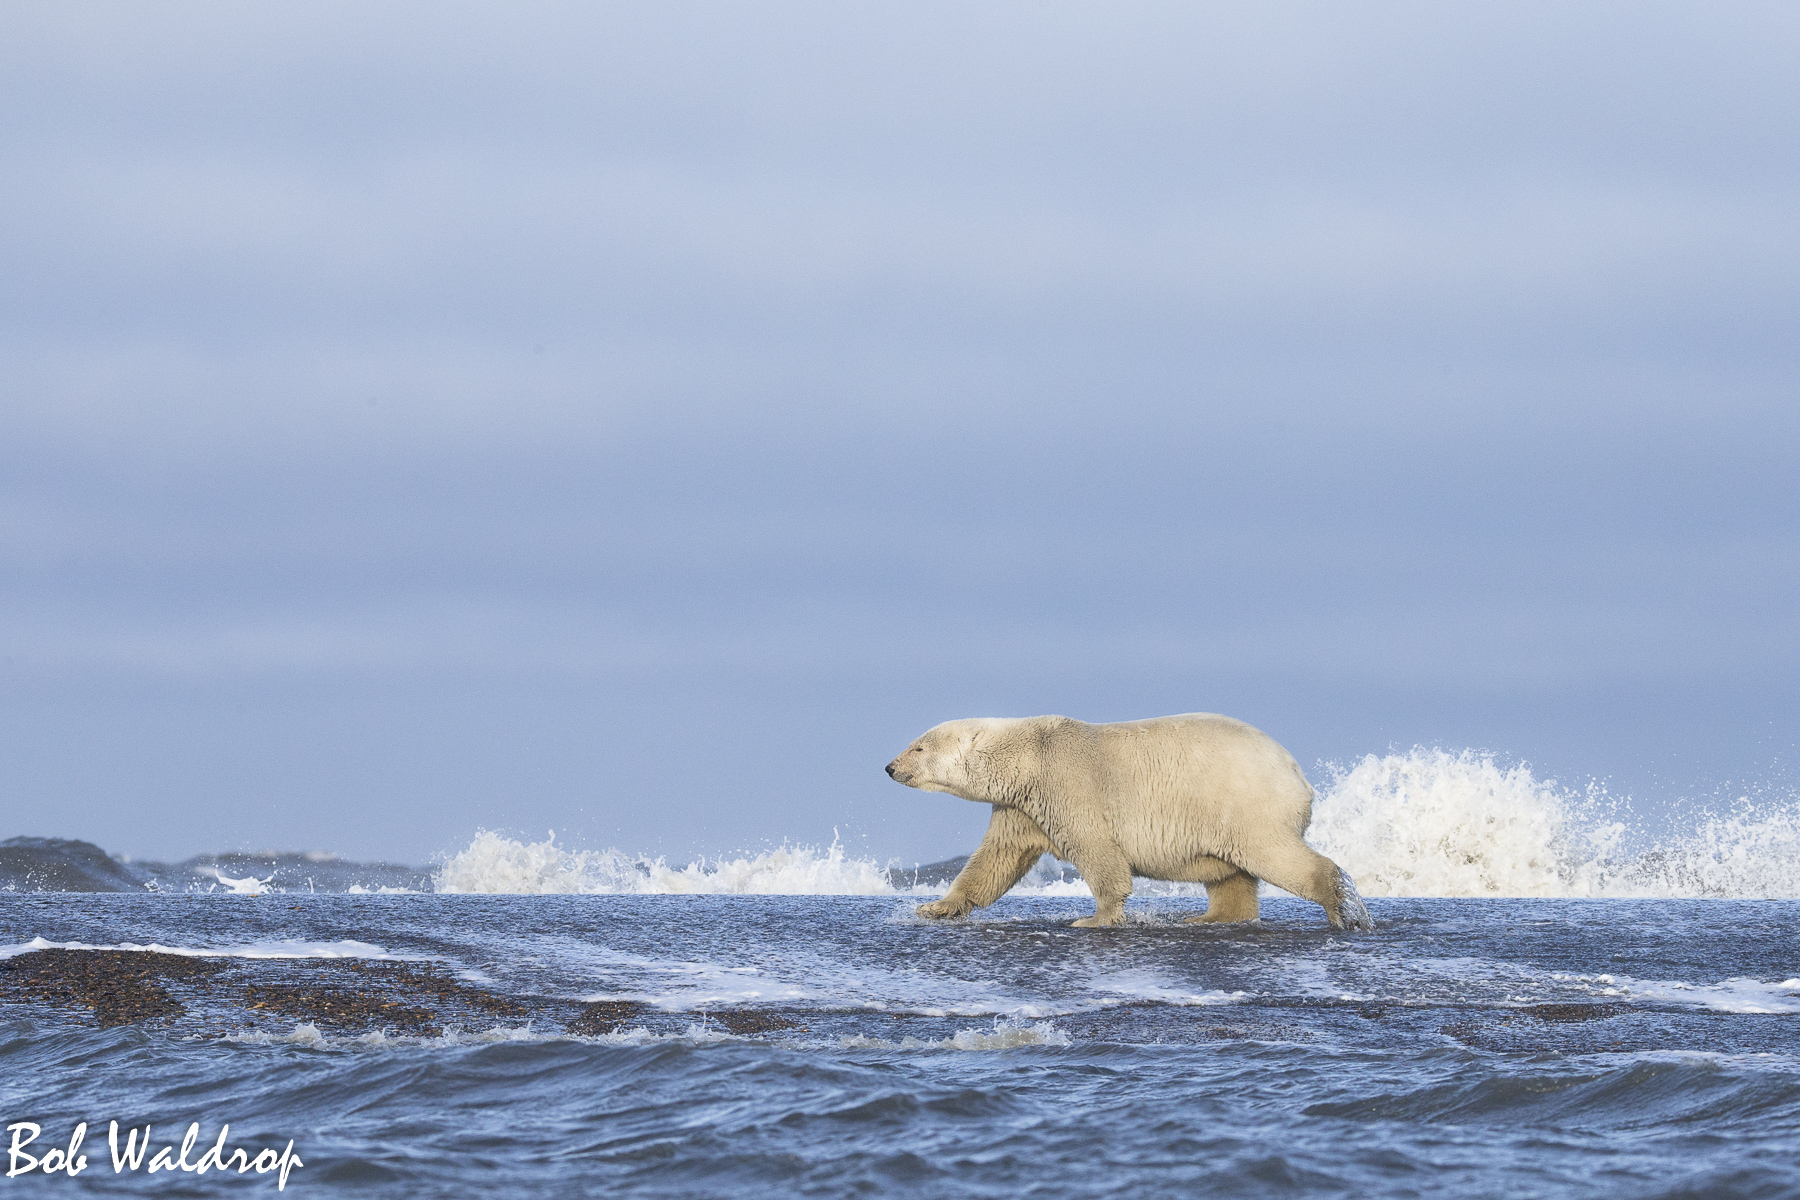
[[725, 1045]]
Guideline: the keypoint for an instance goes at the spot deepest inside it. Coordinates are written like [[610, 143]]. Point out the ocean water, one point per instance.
[[1552, 1003]]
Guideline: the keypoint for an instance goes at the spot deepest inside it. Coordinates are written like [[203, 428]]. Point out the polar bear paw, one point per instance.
[[940, 909], [1351, 909]]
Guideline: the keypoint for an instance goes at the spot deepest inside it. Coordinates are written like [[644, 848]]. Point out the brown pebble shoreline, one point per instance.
[[124, 987], [121, 987]]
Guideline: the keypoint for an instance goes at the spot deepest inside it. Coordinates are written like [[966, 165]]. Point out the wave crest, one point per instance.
[[494, 863], [1433, 823]]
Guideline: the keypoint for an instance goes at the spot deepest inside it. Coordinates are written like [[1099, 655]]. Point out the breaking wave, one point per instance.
[[495, 863], [1433, 823], [1005, 1035], [283, 948]]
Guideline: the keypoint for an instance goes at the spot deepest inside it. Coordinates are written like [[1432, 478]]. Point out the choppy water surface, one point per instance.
[[1557, 1001], [1466, 1047]]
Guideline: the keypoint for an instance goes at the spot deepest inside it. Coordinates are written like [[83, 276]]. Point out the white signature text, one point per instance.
[[219, 1156]]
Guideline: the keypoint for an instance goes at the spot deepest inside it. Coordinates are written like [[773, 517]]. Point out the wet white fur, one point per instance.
[[1199, 798]]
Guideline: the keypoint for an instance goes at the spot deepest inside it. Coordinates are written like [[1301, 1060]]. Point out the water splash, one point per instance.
[[249, 885], [496, 863], [284, 948], [1433, 823], [1005, 1035], [1749, 853]]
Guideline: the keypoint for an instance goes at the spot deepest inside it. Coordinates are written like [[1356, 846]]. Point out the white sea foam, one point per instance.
[[493, 863], [312, 1037], [1428, 980], [1133, 987], [278, 949], [1432, 823], [693, 985], [304, 1034], [795, 977], [577, 968], [249, 885], [1078, 888], [1738, 995], [1004, 1035]]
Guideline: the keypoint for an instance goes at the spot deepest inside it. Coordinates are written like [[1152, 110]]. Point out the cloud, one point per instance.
[[1026, 354]]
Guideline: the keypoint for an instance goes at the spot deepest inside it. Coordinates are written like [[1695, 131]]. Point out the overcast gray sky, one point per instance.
[[644, 420]]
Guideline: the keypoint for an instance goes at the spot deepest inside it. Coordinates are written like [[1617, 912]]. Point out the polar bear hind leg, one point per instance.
[[1230, 900], [1298, 868]]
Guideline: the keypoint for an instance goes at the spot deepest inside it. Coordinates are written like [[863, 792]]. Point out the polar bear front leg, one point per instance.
[[1012, 844], [1108, 876]]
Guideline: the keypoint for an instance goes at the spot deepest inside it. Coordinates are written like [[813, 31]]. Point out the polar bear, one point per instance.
[[1199, 798]]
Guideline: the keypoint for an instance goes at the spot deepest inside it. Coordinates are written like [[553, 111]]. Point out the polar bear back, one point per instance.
[[1198, 780]]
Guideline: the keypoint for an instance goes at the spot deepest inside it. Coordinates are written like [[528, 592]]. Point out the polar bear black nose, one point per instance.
[[890, 770]]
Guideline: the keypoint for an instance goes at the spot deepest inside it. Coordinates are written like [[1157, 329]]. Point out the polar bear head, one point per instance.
[[938, 759], [955, 757]]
